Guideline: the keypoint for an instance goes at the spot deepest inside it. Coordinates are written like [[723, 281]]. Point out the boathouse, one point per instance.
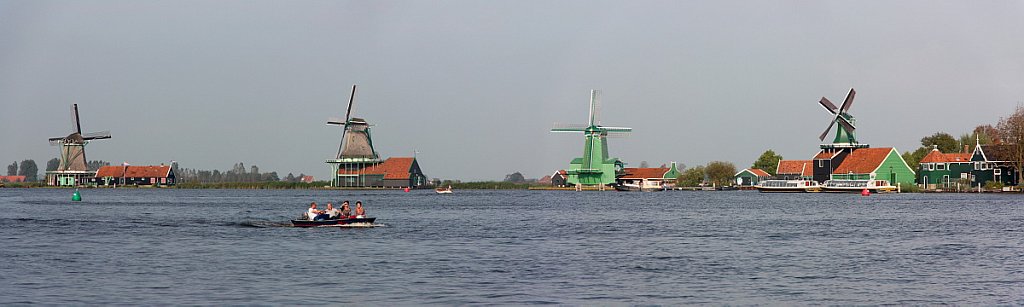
[[148, 175], [994, 163], [395, 172], [794, 170], [750, 177], [883, 163], [650, 176], [939, 170]]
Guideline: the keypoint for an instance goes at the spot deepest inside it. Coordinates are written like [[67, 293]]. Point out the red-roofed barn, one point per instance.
[[395, 172], [154, 175]]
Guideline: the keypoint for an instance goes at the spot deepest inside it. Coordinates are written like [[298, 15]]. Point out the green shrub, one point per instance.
[[993, 185]]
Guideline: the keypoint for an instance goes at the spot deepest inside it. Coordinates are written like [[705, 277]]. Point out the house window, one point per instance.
[[940, 166], [821, 163], [997, 172], [977, 166], [931, 166], [963, 175]]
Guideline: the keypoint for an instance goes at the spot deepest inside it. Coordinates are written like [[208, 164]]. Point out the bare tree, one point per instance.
[[1011, 130]]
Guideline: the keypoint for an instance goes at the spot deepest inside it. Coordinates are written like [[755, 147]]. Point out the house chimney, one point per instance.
[[965, 148]]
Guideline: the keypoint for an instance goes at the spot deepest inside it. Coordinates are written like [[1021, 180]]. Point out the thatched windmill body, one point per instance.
[[73, 169]]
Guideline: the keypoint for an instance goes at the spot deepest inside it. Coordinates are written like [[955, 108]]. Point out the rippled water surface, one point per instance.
[[132, 246]]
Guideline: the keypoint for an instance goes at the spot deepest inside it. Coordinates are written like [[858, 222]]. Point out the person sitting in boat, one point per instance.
[[345, 210], [360, 212], [332, 213], [315, 215]]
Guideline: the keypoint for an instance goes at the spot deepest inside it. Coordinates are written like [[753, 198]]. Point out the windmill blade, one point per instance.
[[846, 124], [56, 141], [348, 115], [823, 134], [335, 121], [594, 107], [849, 101], [617, 129], [828, 105], [96, 135], [75, 123]]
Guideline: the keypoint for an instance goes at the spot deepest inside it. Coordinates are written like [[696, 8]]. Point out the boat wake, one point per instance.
[[356, 225], [260, 224]]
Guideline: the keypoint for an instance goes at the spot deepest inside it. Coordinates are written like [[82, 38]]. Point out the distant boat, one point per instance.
[[856, 186], [790, 186], [444, 190]]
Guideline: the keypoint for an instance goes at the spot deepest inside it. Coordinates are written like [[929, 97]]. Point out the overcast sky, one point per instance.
[[475, 86]]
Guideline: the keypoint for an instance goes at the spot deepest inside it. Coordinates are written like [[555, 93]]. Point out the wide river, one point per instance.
[[156, 246]]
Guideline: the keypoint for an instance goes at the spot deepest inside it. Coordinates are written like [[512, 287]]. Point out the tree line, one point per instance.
[[237, 173]]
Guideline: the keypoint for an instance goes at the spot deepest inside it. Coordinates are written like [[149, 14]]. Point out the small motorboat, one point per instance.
[[444, 190], [351, 220]]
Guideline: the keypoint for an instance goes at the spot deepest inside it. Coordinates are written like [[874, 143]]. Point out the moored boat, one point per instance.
[[856, 186], [334, 222], [788, 186], [632, 187], [444, 190]]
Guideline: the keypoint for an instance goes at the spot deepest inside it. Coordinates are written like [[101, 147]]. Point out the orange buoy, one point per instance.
[[865, 192]]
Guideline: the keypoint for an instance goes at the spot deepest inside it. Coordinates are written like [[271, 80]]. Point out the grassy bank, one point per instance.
[[269, 185]]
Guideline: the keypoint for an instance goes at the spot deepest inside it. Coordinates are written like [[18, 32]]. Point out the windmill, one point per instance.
[[72, 151], [356, 148], [846, 132], [595, 167]]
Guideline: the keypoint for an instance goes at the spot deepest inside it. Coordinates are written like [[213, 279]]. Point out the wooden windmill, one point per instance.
[[846, 131], [595, 167], [73, 164], [356, 148]]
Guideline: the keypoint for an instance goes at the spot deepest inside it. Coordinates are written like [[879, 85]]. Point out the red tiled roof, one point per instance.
[[758, 172], [141, 171], [12, 178], [392, 168], [644, 173], [824, 155], [863, 160], [935, 156], [793, 166]]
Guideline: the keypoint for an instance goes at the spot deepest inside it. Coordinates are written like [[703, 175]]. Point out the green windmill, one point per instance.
[[595, 167], [846, 132]]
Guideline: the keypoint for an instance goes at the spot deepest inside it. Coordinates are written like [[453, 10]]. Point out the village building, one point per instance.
[[794, 170], [649, 177], [750, 177], [395, 172], [558, 179], [883, 163], [306, 179], [939, 170], [148, 175], [12, 178], [994, 163]]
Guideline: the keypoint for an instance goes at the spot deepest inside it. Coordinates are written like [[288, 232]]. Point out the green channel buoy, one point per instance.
[[77, 196]]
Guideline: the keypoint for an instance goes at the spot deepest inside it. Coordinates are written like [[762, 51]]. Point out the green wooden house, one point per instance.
[[945, 171], [994, 163], [750, 177], [884, 163]]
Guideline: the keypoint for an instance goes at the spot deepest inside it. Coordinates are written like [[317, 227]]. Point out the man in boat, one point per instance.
[[345, 210], [360, 212], [332, 213], [313, 214]]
